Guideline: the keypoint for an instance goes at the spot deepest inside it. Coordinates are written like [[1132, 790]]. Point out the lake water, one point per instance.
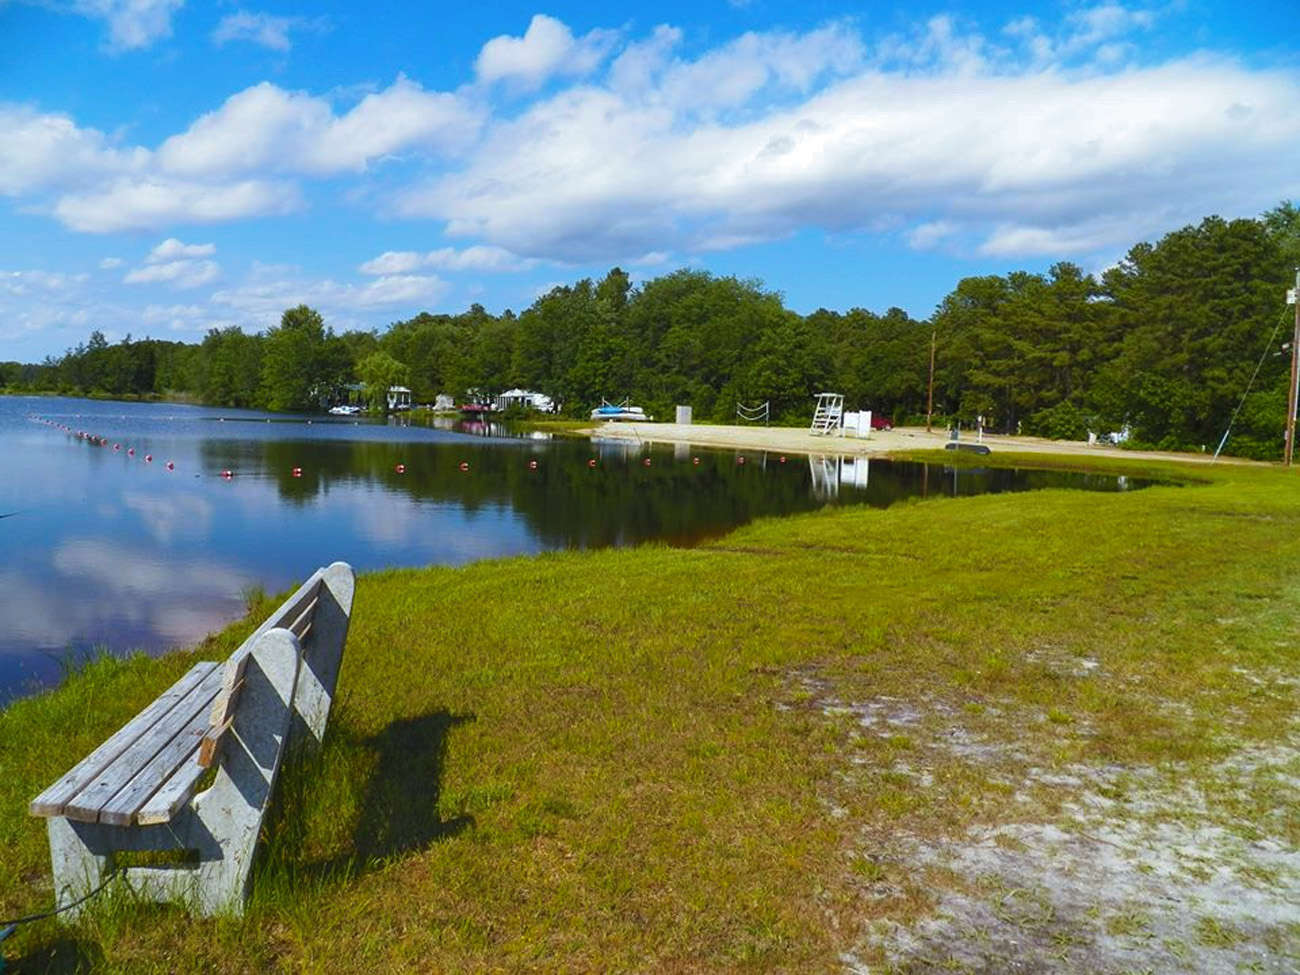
[[103, 545]]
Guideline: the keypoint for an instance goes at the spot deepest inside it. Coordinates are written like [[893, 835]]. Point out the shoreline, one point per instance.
[[880, 443]]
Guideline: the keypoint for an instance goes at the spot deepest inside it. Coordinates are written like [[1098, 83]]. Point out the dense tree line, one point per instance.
[[1164, 344]]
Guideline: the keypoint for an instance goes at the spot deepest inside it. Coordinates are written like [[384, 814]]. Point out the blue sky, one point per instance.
[[168, 167]]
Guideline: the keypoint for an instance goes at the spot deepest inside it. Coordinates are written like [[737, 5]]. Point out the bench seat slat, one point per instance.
[[52, 801], [174, 793], [85, 806], [121, 809]]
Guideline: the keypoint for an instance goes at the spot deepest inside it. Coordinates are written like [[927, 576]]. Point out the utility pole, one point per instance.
[[1295, 374], [929, 400]]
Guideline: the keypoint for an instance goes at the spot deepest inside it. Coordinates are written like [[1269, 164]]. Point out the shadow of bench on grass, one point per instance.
[[399, 802], [400, 810]]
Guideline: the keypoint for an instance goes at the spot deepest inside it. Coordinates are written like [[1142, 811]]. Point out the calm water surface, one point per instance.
[[100, 548]]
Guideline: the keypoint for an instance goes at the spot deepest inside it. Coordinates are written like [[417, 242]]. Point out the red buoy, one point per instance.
[[296, 472], [227, 474], [695, 461], [130, 451], [532, 465], [400, 468], [592, 462], [783, 458], [171, 466], [646, 462], [117, 446], [464, 466], [740, 460], [148, 458]]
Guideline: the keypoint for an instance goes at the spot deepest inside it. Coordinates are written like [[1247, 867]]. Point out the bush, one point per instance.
[[1064, 421]]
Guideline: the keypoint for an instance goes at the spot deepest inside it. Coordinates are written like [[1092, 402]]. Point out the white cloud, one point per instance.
[[152, 202], [132, 24], [40, 282], [266, 30], [179, 274], [270, 290], [479, 257], [927, 235], [267, 129], [547, 48], [733, 74], [601, 173], [392, 262], [48, 151], [194, 319], [178, 264], [172, 249], [109, 263]]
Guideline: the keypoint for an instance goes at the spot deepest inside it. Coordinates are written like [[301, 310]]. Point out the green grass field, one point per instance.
[[750, 754]]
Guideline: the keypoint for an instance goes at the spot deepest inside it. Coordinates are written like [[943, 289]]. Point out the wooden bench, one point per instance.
[[137, 791]]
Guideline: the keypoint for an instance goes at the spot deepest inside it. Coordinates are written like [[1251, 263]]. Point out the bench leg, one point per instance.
[[78, 869]]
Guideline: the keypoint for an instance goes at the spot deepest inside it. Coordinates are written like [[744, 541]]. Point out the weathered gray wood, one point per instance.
[[52, 801], [287, 612], [223, 709], [302, 623], [173, 794], [323, 650], [220, 824], [278, 683], [232, 810], [86, 804], [231, 677], [210, 742], [121, 809]]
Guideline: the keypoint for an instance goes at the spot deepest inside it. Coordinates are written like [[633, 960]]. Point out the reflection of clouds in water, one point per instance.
[[186, 624], [175, 601], [38, 616], [443, 532], [116, 569], [170, 517]]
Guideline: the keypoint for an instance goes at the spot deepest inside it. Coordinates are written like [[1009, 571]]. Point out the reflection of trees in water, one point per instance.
[[619, 501], [564, 501]]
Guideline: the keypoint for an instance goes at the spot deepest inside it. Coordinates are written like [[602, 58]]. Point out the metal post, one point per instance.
[[1295, 378]]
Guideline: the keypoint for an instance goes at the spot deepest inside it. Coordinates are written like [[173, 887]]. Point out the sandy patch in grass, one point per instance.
[[1081, 868]]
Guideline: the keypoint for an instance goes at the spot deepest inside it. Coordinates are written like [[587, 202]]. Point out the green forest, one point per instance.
[[1165, 345]]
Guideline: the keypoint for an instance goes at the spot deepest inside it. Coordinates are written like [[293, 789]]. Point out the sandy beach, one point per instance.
[[881, 442]]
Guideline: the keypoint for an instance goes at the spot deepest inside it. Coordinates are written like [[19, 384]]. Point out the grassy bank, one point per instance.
[[840, 735]]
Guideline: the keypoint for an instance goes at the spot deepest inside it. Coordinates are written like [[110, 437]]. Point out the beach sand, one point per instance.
[[797, 440]]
